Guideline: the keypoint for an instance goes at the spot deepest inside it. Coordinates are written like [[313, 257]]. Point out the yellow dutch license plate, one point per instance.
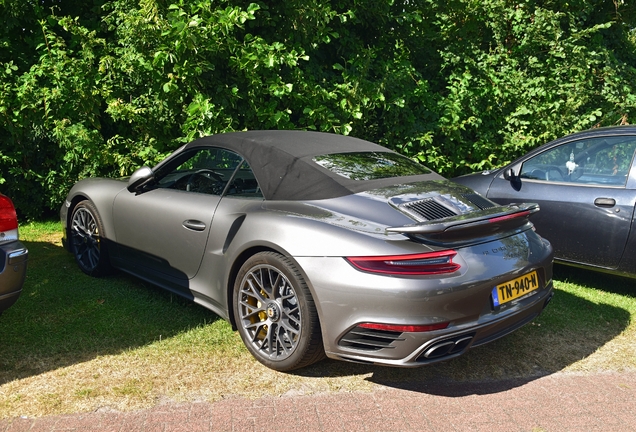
[[515, 288]]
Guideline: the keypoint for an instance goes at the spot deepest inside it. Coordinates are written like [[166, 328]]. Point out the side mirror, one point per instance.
[[513, 176], [509, 174], [140, 178]]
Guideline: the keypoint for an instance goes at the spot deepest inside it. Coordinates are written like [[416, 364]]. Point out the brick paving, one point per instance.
[[559, 402]]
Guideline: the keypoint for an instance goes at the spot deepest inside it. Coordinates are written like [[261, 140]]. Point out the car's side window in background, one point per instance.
[[244, 183], [205, 170], [599, 161]]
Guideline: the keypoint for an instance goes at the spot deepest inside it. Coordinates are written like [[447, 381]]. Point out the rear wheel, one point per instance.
[[87, 243], [275, 313]]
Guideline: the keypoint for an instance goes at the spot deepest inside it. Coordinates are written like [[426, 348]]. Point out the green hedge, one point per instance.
[[100, 87]]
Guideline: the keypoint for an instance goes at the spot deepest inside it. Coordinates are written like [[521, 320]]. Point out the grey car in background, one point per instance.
[[585, 184], [314, 244], [13, 255]]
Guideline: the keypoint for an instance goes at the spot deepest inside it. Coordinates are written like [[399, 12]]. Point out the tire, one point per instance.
[[87, 244], [275, 313]]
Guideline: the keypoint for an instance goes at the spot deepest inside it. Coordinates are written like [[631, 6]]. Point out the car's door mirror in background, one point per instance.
[[513, 175], [140, 178], [509, 174]]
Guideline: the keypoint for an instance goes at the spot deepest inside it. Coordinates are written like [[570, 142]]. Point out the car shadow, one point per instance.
[[597, 280], [64, 317], [570, 329]]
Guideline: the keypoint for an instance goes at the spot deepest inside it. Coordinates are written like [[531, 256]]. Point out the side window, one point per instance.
[[204, 170], [244, 183], [599, 161], [611, 161]]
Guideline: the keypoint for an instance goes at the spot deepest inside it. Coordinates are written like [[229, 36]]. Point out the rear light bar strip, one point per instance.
[[432, 263], [405, 328]]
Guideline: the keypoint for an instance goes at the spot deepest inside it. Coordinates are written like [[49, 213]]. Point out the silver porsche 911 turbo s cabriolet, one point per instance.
[[314, 244]]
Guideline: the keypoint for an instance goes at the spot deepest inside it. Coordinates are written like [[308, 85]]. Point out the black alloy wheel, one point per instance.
[[87, 243]]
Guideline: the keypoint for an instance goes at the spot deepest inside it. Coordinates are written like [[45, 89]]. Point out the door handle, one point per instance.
[[605, 202], [194, 225]]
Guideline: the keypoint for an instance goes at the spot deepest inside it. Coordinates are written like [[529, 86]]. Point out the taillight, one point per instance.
[[405, 328], [417, 264], [8, 217]]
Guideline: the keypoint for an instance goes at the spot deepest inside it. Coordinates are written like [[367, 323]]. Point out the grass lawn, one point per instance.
[[74, 343]]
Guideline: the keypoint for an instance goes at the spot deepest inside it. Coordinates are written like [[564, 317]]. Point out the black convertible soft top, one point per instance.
[[283, 162]]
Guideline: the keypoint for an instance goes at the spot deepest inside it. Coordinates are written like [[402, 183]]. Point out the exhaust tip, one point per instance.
[[448, 347]]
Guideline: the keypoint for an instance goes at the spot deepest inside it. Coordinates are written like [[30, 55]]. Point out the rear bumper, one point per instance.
[[424, 351], [13, 263], [348, 299]]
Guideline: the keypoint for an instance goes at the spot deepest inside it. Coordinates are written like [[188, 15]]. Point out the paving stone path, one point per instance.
[[559, 402]]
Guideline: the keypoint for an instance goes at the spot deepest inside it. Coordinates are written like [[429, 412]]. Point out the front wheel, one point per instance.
[[87, 243], [275, 313]]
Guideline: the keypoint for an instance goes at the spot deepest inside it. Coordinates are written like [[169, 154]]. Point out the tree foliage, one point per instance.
[[100, 87]]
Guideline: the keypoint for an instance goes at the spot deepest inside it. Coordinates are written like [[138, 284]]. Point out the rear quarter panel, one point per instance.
[[243, 227]]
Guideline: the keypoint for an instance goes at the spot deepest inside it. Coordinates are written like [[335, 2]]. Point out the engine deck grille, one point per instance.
[[427, 209], [479, 201]]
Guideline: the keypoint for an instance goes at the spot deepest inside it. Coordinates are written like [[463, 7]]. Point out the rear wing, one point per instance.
[[471, 225]]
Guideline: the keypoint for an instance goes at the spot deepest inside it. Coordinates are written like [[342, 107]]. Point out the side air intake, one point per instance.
[[369, 339]]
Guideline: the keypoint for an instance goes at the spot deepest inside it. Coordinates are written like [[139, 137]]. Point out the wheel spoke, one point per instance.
[[93, 257], [253, 291], [256, 326], [253, 314], [294, 320], [259, 327], [276, 279], [286, 336], [271, 341]]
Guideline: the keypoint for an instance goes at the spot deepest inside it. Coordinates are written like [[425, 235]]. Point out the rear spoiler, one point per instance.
[[471, 225]]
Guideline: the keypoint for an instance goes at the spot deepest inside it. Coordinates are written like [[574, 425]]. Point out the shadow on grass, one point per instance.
[[64, 317], [569, 330], [597, 280]]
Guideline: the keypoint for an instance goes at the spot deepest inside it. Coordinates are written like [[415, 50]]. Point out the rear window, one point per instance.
[[370, 165]]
